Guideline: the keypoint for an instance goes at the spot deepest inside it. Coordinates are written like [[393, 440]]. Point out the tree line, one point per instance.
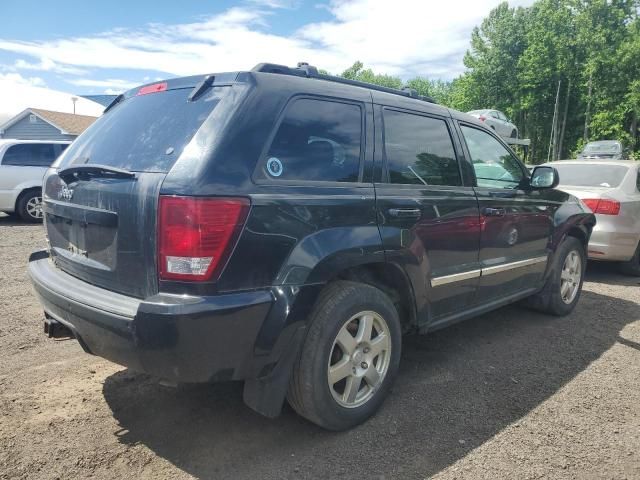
[[574, 60]]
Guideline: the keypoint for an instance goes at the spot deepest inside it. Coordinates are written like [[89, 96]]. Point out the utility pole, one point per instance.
[[554, 128], [564, 120], [588, 112]]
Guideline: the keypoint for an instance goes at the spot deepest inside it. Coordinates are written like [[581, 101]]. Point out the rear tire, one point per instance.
[[632, 267], [561, 292], [339, 382], [29, 206]]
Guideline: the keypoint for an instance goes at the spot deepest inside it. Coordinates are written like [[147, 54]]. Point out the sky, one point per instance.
[[85, 47]]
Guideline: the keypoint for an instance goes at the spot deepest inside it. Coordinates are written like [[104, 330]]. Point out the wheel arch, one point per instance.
[[23, 192], [391, 279]]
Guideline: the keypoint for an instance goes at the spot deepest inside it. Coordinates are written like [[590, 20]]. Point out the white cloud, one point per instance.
[[18, 93], [401, 37], [17, 79], [46, 65], [115, 84]]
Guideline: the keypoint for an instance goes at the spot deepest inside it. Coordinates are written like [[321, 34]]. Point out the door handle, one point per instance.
[[405, 212], [494, 212]]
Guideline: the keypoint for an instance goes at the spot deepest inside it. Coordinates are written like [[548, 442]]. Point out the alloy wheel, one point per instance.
[[570, 277], [34, 207], [359, 359]]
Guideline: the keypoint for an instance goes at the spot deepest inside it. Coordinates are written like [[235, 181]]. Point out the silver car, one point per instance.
[[603, 149], [611, 189], [23, 163], [496, 120]]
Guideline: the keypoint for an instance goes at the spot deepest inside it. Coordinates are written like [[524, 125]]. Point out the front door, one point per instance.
[[516, 221], [428, 218]]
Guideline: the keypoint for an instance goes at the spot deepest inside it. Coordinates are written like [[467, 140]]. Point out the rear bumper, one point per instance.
[[612, 245], [176, 337]]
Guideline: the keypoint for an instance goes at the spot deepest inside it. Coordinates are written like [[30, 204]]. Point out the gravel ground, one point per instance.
[[511, 394]]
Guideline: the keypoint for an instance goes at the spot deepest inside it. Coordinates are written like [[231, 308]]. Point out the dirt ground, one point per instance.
[[511, 394]]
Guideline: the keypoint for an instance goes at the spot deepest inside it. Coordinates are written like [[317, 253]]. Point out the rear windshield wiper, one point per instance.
[[77, 172]]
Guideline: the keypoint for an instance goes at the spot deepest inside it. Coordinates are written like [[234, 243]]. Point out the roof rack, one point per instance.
[[305, 70]]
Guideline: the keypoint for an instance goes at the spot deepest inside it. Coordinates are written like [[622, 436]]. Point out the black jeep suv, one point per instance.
[[285, 228]]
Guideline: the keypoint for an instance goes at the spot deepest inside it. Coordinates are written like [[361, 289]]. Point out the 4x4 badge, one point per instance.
[[65, 193]]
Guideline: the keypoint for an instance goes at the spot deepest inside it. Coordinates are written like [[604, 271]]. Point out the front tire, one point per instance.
[[349, 358], [562, 290], [514, 133], [29, 206]]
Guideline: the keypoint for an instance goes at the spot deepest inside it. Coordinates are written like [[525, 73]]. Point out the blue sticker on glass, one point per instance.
[[274, 167]]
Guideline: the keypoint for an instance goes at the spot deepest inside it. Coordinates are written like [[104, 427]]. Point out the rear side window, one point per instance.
[[318, 140], [31, 154], [144, 133], [419, 150]]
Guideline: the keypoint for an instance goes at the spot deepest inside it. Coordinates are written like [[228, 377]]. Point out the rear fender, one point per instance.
[[320, 256], [23, 187]]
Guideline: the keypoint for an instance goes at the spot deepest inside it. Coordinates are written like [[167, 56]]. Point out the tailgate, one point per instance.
[[101, 198], [105, 233]]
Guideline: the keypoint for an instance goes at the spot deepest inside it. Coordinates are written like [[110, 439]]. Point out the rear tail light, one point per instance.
[[196, 235], [602, 206]]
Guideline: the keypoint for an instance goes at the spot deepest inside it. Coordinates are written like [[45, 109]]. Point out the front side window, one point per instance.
[[318, 140], [30, 154], [419, 150], [494, 165]]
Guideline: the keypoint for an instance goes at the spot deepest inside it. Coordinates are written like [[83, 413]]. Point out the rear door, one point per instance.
[[428, 217], [102, 227], [516, 222]]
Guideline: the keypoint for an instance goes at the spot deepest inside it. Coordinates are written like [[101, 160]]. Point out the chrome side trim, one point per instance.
[[510, 266], [459, 277], [456, 277]]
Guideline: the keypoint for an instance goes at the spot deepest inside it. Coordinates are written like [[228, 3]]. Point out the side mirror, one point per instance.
[[544, 177]]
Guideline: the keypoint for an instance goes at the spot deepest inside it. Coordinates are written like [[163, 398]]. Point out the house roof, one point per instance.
[[67, 123]]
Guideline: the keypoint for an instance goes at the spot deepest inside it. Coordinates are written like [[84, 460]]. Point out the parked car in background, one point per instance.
[[226, 227], [23, 163], [496, 120], [611, 189], [602, 150]]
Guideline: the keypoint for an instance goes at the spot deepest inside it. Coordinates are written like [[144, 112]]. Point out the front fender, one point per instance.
[[570, 219]]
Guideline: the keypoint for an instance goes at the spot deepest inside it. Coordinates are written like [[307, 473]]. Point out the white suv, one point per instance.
[[23, 163]]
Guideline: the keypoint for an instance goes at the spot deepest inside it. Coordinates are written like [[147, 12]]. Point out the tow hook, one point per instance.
[[55, 329]]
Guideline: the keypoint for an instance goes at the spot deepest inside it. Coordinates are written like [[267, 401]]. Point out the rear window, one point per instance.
[[145, 133], [580, 175], [32, 154], [603, 147]]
